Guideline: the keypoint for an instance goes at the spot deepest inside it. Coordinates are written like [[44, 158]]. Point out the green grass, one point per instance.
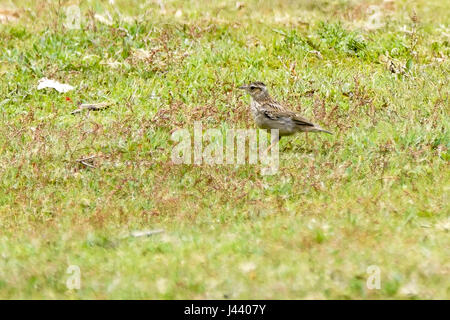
[[374, 193]]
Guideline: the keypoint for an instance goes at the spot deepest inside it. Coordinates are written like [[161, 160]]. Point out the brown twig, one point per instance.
[[90, 106], [84, 161]]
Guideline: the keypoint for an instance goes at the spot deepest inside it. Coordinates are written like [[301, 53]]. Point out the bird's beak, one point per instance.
[[243, 87]]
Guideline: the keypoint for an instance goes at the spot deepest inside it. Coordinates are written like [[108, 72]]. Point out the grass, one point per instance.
[[374, 193]]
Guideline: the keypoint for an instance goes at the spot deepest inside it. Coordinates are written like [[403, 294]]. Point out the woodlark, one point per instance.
[[269, 114]]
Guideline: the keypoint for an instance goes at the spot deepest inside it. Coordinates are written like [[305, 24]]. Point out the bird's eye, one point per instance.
[[252, 87]]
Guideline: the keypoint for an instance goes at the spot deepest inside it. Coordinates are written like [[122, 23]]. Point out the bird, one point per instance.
[[269, 114]]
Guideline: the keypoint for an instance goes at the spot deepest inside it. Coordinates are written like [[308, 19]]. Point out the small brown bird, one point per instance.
[[269, 114]]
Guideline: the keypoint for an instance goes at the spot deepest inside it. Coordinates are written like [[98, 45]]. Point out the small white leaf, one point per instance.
[[145, 233], [247, 267], [103, 20], [49, 83]]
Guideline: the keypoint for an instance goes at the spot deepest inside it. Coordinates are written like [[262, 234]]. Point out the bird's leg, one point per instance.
[[268, 149], [272, 145], [289, 145]]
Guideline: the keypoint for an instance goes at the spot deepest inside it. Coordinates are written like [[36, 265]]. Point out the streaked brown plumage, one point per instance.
[[269, 114]]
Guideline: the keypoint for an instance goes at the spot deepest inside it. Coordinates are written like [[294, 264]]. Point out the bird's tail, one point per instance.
[[319, 129]]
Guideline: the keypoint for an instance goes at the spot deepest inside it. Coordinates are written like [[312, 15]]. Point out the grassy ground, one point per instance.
[[374, 193]]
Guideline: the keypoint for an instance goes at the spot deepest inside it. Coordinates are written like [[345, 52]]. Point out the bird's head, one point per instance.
[[257, 90]]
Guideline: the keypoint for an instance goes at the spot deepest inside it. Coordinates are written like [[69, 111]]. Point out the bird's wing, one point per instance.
[[272, 105], [277, 115], [301, 121]]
